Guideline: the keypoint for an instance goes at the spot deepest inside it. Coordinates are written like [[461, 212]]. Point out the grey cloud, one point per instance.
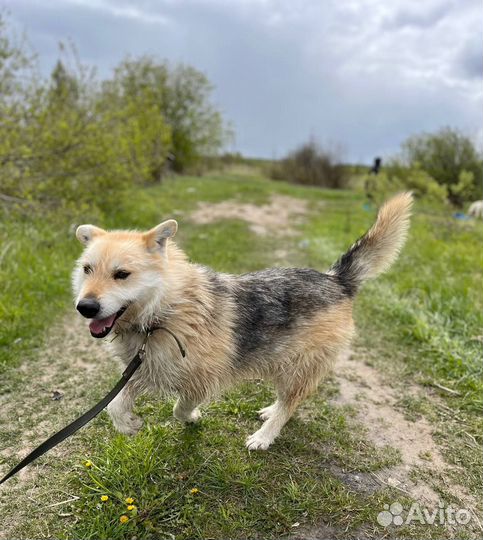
[[284, 71], [421, 15], [469, 61]]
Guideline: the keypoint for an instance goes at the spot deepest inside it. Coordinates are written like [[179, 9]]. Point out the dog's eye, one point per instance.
[[121, 274], [87, 269]]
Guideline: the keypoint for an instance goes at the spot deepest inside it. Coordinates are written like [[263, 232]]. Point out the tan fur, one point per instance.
[[387, 236]]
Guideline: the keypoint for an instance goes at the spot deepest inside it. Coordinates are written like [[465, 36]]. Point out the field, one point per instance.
[[398, 422]]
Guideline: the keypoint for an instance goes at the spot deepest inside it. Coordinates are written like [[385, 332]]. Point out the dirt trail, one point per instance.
[[67, 376], [363, 387], [375, 399], [276, 217]]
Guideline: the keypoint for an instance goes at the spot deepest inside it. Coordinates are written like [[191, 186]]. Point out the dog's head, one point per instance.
[[118, 272]]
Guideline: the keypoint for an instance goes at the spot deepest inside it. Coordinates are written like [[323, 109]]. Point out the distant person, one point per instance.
[[377, 166], [369, 183]]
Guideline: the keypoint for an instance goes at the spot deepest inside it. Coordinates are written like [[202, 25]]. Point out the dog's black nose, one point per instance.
[[88, 307]]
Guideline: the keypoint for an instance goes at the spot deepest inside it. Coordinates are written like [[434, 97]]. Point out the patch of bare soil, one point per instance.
[[366, 389], [275, 218], [41, 397]]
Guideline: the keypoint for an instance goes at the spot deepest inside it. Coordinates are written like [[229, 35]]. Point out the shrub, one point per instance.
[[445, 156], [69, 139], [380, 187], [311, 165]]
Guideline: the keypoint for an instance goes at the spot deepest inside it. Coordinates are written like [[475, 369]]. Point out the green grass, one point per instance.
[[422, 323], [238, 494]]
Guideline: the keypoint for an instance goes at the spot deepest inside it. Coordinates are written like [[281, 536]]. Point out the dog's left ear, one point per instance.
[[156, 239], [86, 233]]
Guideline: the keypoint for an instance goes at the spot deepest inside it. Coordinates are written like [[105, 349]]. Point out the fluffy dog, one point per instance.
[[287, 325]]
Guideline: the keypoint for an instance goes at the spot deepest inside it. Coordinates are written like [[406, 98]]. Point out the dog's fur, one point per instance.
[[285, 325]]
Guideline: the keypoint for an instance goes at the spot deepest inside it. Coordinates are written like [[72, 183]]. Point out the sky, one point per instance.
[[361, 76]]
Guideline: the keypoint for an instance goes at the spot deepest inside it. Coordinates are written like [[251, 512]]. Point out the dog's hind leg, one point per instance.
[[186, 410], [292, 387], [266, 412], [280, 413], [120, 411]]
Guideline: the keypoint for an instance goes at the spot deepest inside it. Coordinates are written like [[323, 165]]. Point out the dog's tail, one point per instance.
[[374, 252]]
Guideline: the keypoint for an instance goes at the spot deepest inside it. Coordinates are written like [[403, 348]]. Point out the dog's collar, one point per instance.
[[147, 331], [172, 334]]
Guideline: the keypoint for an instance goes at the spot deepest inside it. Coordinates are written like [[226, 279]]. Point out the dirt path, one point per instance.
[[67, 376], [422, 470], [366, 389], [277, 217]]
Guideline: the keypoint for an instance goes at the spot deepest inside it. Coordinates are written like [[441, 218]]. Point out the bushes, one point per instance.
[[437, 167], [311, 165], [450, 158], [379, 187], [71, 139]]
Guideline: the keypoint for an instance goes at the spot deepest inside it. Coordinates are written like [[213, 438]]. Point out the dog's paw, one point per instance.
[[190, 418], [194, 416], [129, 424], [266, 412], [258, 441]]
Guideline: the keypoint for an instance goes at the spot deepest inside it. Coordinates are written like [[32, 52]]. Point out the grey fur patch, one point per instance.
[[271, 302]]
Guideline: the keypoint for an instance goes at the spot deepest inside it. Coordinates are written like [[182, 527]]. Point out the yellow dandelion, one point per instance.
[[194, 490], [88, 463], [131, 507], [104, 498], [129, 500], [123, 519]]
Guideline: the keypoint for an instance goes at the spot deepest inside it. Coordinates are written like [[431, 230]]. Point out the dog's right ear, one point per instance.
[[85, 233], [156, 238]]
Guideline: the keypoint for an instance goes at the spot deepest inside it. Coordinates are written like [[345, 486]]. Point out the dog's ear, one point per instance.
[[85, 233], [156, 238]]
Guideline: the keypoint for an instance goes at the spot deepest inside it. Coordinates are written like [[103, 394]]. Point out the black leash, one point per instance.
[[92, 413]]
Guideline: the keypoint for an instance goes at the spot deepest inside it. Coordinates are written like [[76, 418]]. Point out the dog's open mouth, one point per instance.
[[101, 327]]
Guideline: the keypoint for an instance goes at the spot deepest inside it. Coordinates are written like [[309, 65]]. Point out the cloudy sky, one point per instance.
[[361, 73]]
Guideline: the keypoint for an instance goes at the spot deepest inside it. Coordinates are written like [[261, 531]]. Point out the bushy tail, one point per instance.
[[374, 252]]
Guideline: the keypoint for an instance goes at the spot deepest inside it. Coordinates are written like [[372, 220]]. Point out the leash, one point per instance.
[[92, 413]]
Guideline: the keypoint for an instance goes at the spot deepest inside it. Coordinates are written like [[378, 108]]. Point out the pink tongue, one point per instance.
[[98, 325]]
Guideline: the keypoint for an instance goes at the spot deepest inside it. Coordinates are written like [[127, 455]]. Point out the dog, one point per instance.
[[286, 325]]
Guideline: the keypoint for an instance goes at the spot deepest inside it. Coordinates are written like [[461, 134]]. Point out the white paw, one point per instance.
[[266, 412], [190, 418], [259, 441], [194, 416], [128, 424]]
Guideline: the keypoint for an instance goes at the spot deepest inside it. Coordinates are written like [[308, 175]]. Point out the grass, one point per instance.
[[199, 481], [422, 322]]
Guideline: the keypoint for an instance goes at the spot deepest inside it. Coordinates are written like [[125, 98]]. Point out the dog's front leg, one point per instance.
[[120, 411], [185, 410]]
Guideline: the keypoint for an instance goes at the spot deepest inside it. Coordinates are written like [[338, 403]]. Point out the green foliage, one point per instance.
[[445, 155], [379, 187], [135, 97], [465, 189], [311, 165], [197, 127], [70, 138]]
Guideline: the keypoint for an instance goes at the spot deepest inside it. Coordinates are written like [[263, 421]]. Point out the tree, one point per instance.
[[135, 96], [445, 155], [183, 97], [197, 126], [68, 139], [314, 165]]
